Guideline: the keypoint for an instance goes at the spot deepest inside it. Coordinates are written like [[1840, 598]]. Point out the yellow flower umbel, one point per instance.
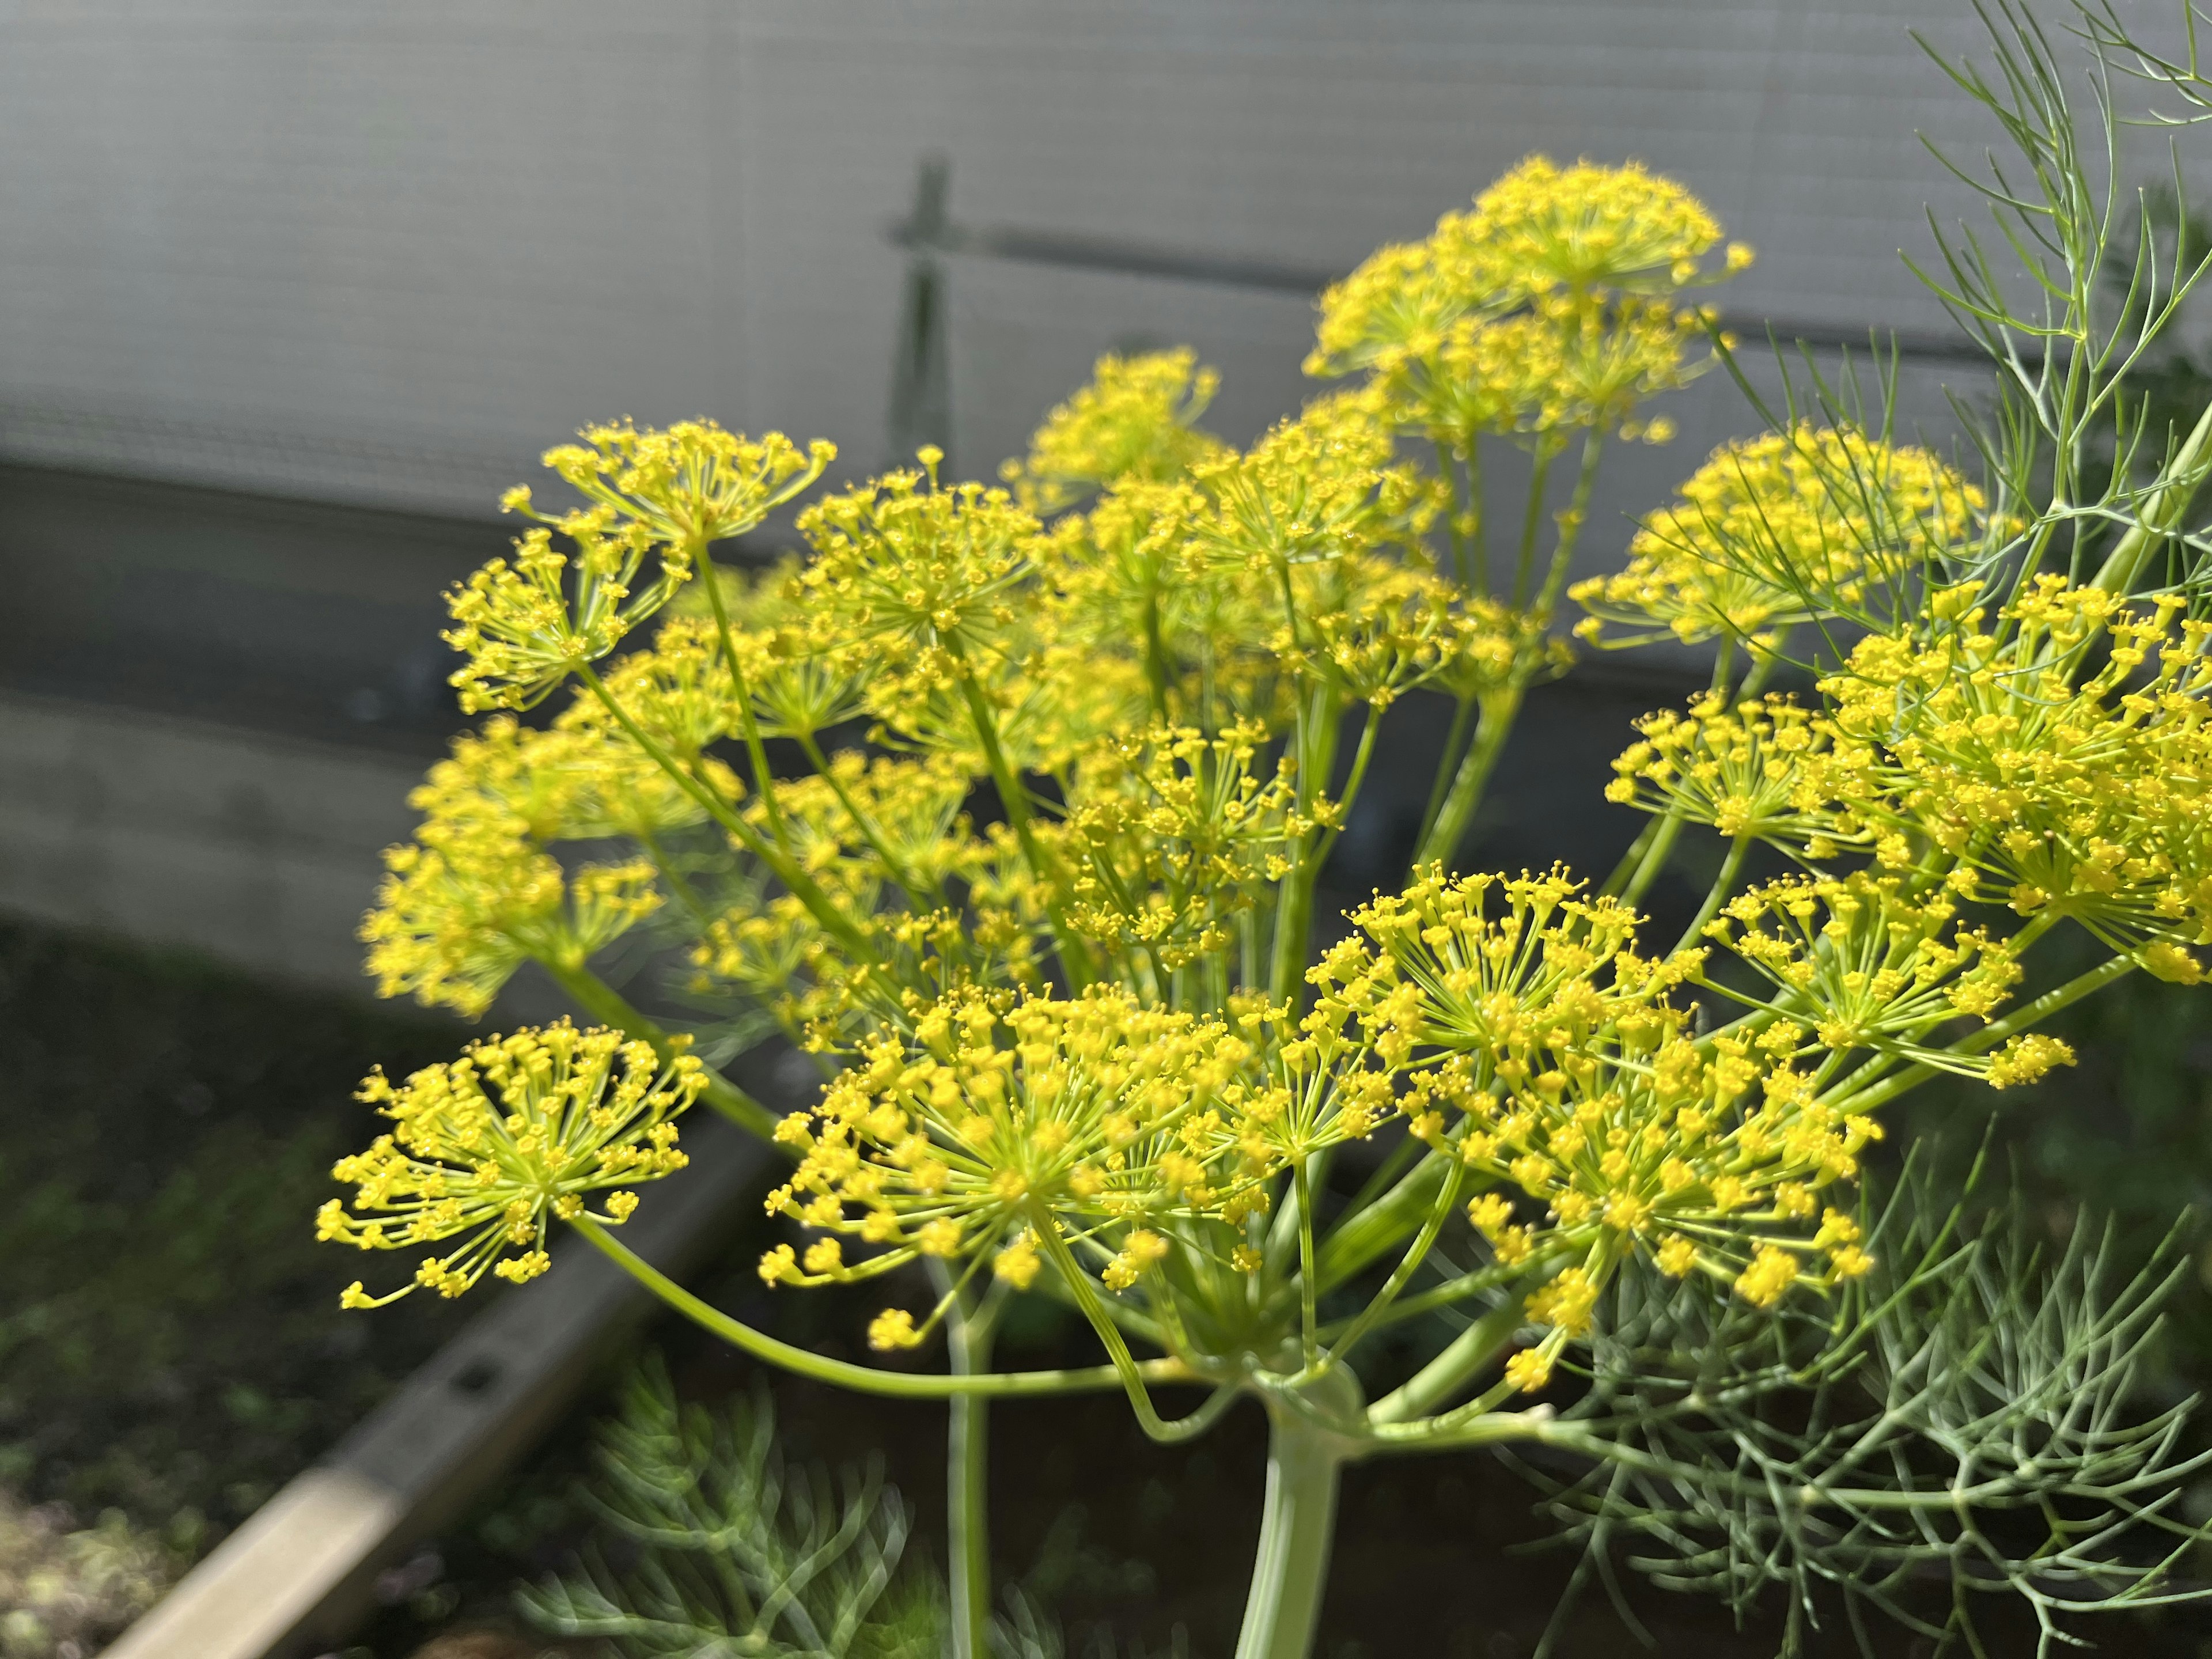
[[1544, 1055], [526, 625], [1869, 965], [1813, 522], [2074, 794], [1549, 308], [1133, 422], [687, 484], [920, 577], [495, 1146], [964, 1139], [1766, 770]]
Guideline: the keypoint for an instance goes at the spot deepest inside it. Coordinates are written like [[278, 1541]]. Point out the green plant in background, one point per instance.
[[1483, 1165], [737, 1553]]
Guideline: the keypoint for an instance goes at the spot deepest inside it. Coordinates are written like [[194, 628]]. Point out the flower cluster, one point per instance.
[[987, 1123], [1546, 1056], [1782, 529], [1048, 927], [922, 578], [1134, 422], [1550, 307], [493, 1147]]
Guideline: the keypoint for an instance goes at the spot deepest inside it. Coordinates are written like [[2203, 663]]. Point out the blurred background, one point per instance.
[[289, 293]]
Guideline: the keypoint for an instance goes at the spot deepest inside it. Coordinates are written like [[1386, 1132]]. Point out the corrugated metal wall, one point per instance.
[[364, 261], [387, 253]]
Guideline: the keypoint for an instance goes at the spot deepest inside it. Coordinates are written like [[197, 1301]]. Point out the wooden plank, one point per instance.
[[300, 1572]]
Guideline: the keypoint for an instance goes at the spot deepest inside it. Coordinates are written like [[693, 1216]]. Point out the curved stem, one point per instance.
[[1290, 1571], [602, 1002], [895, 1385], [1731, 868], [1125, 1366]]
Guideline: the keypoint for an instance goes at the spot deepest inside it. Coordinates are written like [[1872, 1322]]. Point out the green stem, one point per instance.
[[1074, 956], [1361, 1238], [1481, 530], [1402, 1274], [1463, 1359], [1125, 1366], [1499, 710], [1448, 463], [1316, 751], [1353, 782], [1309, 1297], [2168, 502], [865, 821], [748, 727], [2028, 1014], [1731, 868], [968, 1332], [1156, 655], [1632, 859], [605, 1004], [866, 1379], [803, 886], [1524, 566], [1446, 766], [1572, 522], [1290, 1571], [1654, 861]]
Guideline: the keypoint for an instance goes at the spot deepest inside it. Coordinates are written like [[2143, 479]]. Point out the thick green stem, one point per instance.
[[1463, 1359], [1291, 1570], [968, 1333], [602, 1002], [2167, 503]]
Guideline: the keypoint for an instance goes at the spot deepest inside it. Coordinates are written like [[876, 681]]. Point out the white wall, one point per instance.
[[387, 252]]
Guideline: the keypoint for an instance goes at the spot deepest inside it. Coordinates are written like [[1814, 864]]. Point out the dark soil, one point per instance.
[[170, 1338]]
